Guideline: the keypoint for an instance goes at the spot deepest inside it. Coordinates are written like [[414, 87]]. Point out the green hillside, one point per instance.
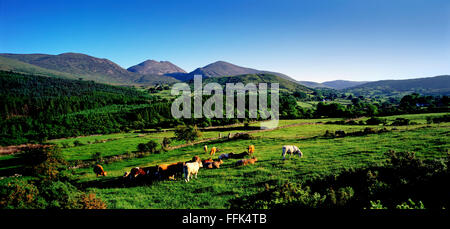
[[8, 64], [438, 85], [284, 84], [75, 66], [33, 108]]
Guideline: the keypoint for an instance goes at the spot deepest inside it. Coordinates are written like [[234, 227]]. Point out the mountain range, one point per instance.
[[150, 72]]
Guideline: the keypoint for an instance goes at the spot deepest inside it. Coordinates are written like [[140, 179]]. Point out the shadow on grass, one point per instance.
[[235, 128], [11, 166], [116, 182]]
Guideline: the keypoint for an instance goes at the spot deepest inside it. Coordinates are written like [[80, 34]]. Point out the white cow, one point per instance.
[[290, 149], [191, 168]]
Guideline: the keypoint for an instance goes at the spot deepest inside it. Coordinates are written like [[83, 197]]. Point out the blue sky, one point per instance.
[[308, 40]]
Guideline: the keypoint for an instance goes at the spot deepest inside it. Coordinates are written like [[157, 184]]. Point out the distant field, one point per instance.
[[214, 188]]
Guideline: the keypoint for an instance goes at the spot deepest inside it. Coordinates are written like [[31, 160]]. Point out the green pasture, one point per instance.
[[215, 187]]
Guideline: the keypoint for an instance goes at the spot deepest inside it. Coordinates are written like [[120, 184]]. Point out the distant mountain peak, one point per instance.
[[82, 65], [153, 67], [342, 84], [223, 68]]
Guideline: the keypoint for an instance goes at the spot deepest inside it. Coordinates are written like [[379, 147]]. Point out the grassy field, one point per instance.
[[215, 187]]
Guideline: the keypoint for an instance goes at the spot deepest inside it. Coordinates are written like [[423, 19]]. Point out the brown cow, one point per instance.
[[247, 161], [169, 171], [135, 172], [216, 164], [195, 159], [151, 171], [251, 149], [252, 160], [98, 170], [213, 164], [213, 151], [210, 160]]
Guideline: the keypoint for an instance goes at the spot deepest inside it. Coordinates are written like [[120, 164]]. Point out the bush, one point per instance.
[[187, 133], [289, 195], [77, 143], [401, 122], [151, 147], [166, 142], [410, 205], [445, 118], [97, 157], [18, 193], [242, 136], [376, 121], [24, 194], [65, 145], [395, 184], [44, 162], [329, 134], [90, 201]]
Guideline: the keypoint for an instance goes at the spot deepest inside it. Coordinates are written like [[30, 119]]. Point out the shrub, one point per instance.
[[242, 136], [18, 193], [289, 195], [410, 205], [329, 134], [376, 205], [187, 133], [369, 130], [339, 133], [78, 143], [90, 201], [151, 147], [166, 142], [445, 118], [44, 162], [97, 157], [65, 145], [393, 183], [401, 122], [376, 121]]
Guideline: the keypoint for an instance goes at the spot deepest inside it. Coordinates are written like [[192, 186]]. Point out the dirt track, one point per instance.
[[5, 150]]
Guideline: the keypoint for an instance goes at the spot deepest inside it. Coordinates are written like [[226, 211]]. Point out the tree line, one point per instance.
[[36, 108]]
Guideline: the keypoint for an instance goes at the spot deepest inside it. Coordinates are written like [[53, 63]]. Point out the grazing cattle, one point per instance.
[[98, 170], [290, 149], [213, 164], [238, 155], [135, 172], [252, 160], [190, 169], [205, 148], [208, 165], [213, 151], [194, 159], [151, 171], [224, 156], [168, 171], [207, 161], [339, 133], [251, 149], [216, 164], [247, 161]]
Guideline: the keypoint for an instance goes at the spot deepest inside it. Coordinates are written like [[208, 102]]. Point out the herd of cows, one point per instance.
[[191, 168]]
